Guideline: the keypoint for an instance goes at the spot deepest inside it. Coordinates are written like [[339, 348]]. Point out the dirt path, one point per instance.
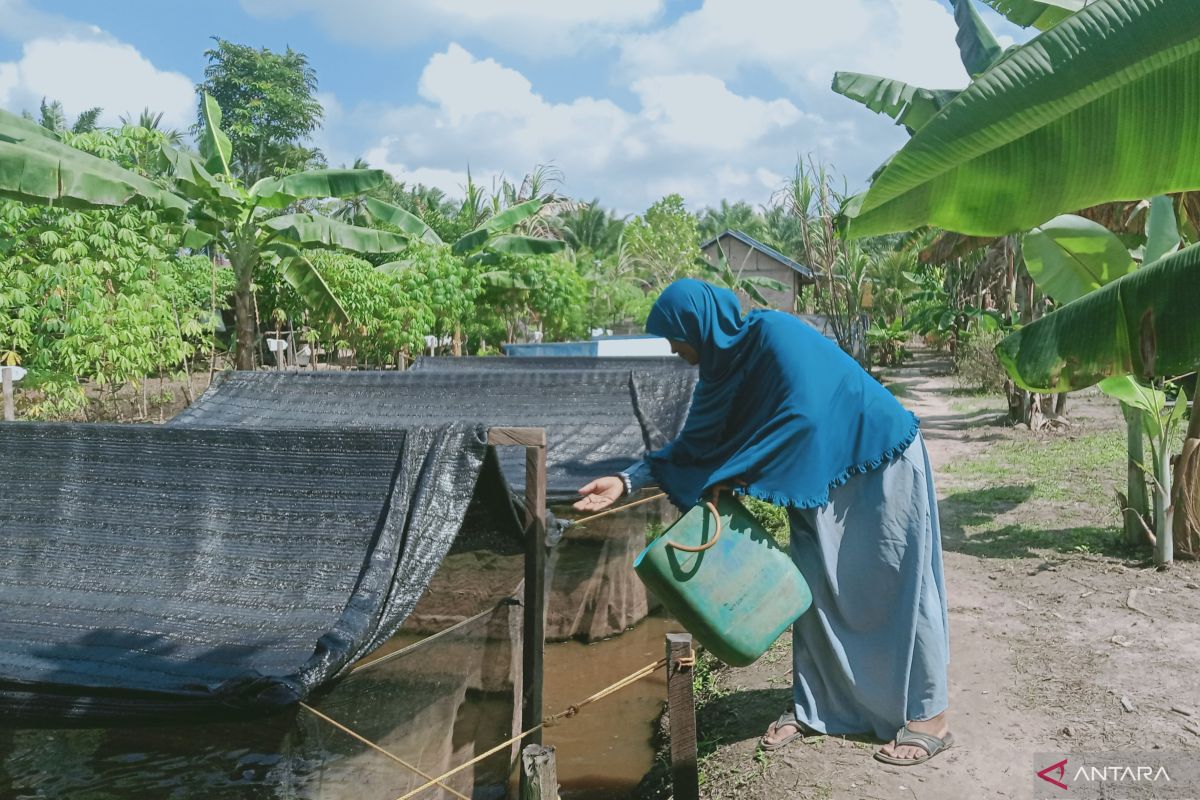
[[1045, 647]]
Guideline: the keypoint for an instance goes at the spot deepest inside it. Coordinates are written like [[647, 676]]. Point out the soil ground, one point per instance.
[[1062, 640]]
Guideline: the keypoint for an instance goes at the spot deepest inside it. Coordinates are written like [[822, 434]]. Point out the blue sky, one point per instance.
[[630, 99]]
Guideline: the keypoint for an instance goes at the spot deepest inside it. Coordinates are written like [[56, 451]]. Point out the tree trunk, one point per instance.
[[1136, 512], [243, 307], [1185, 494], [1163, 544]]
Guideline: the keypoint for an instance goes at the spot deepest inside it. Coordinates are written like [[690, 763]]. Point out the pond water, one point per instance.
[[430, 711], [435, 706]]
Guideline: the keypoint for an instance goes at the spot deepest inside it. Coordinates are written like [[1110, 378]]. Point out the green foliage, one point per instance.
[[976, 367], [97, 296], [1033, 136], [530, 292], [887, 343], [739, 216], [664, 242], [270, 107], [387, 319], [444, 283]]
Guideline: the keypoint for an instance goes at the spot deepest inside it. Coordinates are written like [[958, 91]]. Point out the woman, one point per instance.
[[782, 414]]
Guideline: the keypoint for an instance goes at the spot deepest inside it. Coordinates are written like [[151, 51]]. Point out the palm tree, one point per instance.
[[739, 216], [152, 121], [52, 117], [591, 227]]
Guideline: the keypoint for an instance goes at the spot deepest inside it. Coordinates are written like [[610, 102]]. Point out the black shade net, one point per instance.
[[157, 571], [597, 421], [541, 363]]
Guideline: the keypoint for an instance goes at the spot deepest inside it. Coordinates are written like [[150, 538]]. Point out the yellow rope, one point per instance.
[[570, 711], [618, 508], [392, 756], [416, 645]]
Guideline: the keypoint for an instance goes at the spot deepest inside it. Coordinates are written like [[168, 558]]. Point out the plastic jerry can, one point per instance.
[[724, 578]]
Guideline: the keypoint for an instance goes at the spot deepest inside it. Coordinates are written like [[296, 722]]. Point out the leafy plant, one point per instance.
[[983, 165]]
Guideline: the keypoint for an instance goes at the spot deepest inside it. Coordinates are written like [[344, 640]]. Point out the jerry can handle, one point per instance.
[[710, 542]]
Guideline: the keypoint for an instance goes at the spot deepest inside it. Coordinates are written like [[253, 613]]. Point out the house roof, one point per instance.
[[766, 250]]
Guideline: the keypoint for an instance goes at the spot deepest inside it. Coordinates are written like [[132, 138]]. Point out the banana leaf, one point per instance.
[[977, 47], [192, 179], [315, 231], [35, 167], [513, 245], [470, 242], [1035, 14], [316, 183], [1144, 324], [409, 223], [318, 297], [1156, 418], [910, 106], [1162, 229], [511, 216], [215, 146], [1101, 107], [1070, 256]]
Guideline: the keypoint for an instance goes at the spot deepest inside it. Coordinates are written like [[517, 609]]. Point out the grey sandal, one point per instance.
[[786, 718], [932, 745]]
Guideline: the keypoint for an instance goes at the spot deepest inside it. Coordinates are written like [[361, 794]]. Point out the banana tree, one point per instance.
[[1097, 108], [247, 224], [481, 248], [1040, 14], [1100, 107], [1068, 258], [35, 167], [913, 106]]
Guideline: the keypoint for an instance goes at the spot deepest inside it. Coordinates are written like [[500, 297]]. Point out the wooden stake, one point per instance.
[[681, 711], [539, 775], [10, 413], [534, 623]]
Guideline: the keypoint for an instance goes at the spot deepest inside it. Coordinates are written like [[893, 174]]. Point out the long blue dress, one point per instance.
[[873, 650]]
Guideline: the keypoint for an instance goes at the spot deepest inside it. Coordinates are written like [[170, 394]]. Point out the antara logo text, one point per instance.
[[1057, 774]]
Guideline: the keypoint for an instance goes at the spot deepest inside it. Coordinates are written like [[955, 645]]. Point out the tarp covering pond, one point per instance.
[[496, 363], [597, 421], [165, 571]]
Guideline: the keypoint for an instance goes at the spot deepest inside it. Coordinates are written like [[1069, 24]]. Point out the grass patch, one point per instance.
[[1025, 497], [1084, 469], [773, 518]]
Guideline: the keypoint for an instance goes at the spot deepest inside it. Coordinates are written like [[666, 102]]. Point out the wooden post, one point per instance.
[[534, 627], [10, 413], [539, 775], [681, 711]]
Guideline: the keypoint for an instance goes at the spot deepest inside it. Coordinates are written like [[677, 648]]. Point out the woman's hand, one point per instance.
[[600, 493]]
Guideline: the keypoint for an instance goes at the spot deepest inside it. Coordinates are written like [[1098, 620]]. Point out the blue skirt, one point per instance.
[[873, 650]]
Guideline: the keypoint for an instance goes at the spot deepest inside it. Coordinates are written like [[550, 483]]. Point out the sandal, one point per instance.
[[786, 718], [932, 745]]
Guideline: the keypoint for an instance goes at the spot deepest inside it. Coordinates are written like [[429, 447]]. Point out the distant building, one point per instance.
[[751, 258]]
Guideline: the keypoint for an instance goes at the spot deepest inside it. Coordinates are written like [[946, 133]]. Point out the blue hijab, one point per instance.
[[778, 405]]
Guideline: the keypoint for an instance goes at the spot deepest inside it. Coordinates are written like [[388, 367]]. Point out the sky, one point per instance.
[[630, 100]]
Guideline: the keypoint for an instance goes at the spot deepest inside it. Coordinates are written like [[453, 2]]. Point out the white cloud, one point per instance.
[[9, 79], [83, 73], [531, 27], [699, 111], [690, 133], [803, 43]]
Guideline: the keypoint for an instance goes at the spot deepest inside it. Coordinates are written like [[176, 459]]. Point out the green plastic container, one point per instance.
[[738, 595]]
